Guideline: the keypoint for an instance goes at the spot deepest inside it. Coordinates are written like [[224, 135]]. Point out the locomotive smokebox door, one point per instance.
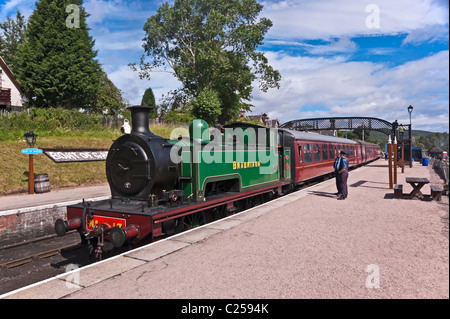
[[130, 168]]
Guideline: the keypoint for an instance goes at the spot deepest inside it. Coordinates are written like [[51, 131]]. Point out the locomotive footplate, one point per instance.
[[135, 220]]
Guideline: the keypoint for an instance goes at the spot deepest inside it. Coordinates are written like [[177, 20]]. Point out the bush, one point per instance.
[[49, 122], [181, 116]]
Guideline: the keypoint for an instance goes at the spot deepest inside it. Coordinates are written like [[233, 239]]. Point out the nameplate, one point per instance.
[[31, 151], [76, 155]]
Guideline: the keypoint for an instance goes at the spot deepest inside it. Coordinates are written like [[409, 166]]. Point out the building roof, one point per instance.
[[8, 72], [310, 136], [435, 149]]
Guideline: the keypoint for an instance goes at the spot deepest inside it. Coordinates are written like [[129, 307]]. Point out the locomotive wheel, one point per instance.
[[89, 246], [216, 213], [253, 201], [190, 221]]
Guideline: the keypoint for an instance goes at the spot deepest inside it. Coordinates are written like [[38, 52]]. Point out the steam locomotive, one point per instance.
[[163, 186]]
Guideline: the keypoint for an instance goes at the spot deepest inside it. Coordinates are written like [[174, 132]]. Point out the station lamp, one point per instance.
[[410, 109], [31, 138]]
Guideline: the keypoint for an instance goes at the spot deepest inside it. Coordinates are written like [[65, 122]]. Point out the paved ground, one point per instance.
[[52, 197], [304, 245]]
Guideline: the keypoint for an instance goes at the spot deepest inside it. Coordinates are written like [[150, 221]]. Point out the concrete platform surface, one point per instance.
[[21, 201], [303, 245]]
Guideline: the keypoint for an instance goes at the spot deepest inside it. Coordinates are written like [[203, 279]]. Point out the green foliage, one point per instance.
[[440, 140], [183, 115], [56, 64], [211, 44], [148, 99], [48, 122], [12, 39], [109, 98], [362, 133], [207, 106], [250, 121]]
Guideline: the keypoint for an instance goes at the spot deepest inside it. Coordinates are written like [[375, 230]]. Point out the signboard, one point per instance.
[[76, 155], [112, 222], [31, 151]]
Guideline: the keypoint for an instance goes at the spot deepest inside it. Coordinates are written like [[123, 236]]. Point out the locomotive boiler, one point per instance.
[[138, 164]]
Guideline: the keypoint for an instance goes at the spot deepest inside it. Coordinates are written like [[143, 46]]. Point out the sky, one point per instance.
[[337, 58]]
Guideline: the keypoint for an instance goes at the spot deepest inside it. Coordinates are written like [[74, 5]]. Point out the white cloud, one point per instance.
[[430, 33], [327, 19], [118, 10], [342, 45], [9, 8], [119, 40], [133, 87], [335, 87]]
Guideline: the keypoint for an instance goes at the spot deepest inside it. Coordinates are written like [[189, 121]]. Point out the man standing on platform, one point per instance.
[[343, 175], [336, 165]]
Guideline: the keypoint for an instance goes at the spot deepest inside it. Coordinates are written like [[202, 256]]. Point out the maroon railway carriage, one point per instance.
[[314, 154]]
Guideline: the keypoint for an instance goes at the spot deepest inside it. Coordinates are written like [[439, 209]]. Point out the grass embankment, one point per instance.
[[14, 164]]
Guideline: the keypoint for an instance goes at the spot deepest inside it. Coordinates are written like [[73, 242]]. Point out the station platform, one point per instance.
[[303, 245], [22, 201]]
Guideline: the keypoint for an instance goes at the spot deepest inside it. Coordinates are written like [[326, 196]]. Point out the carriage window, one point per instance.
[[299, 154], [307, 153], [316, 152], [325, 152], [331, 149]]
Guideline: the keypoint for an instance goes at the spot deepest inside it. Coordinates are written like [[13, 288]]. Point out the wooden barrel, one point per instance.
[[41, 183]]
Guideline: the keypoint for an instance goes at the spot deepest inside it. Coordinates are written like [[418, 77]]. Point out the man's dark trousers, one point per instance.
[[338, 181], [343, 178]]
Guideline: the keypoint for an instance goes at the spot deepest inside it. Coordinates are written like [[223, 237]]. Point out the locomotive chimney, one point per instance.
[[140, 120]]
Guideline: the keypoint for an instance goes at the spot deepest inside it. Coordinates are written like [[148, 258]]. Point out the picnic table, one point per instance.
[[417, 183]]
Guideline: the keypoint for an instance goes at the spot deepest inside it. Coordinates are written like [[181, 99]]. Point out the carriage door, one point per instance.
[[299, 162], [363, 153], [280, 155]]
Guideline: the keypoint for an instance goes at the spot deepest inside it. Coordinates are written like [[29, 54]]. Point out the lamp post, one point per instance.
[[410, 109], [394, 149], [389, 150], [31, 140]]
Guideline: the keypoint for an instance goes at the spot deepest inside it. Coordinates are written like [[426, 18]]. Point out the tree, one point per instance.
[[434, 139], [148, 99], [362, 133], [207, 106], [109, 98], [211, 44], [57, 64], [12, 39]]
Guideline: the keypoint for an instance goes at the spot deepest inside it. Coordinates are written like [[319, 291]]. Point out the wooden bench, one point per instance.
[[398, 190], [436, 193]]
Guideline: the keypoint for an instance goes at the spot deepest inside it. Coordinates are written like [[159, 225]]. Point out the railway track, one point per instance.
[[38, 256]]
